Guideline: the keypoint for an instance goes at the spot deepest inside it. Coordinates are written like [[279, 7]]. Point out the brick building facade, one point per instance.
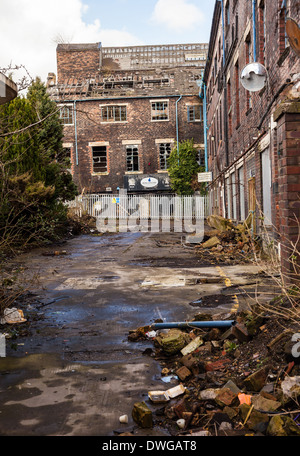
[[253, 138], [124, 109]]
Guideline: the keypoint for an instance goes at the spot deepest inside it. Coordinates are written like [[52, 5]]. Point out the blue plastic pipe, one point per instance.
[[254, 29], [195, 324]]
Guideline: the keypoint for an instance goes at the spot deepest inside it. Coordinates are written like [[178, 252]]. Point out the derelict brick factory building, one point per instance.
[[253, 138], [125, 108]]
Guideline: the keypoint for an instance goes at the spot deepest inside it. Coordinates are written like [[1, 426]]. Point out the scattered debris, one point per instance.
[[227, 243], [123, 419], [55, 253], [12, 316], [142, 415], [235, 379]]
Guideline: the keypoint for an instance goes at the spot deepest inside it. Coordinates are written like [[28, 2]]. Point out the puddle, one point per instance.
[[87, 283]]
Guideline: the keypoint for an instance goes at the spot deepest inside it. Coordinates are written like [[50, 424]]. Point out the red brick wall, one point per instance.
[[289, 185], [76, 64], [247, 122], [138, 127]]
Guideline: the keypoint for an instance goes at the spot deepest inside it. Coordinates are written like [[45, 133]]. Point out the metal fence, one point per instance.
[[146, 206]]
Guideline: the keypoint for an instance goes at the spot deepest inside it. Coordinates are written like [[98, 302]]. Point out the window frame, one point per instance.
[[163, 159], [70, 115], [154, 118], [110, 116], [133, 148], [191, 114], [105, 169]]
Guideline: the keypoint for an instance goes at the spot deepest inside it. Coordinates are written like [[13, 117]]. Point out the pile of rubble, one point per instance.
[[239, 380], [226, 242]]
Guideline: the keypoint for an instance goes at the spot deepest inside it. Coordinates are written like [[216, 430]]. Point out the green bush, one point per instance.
[[183, 169], [33, 183]]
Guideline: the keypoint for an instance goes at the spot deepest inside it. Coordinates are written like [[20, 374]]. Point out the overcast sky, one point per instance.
[[30, 29]]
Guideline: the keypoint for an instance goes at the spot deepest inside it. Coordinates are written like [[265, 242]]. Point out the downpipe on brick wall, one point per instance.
[[177, 127], [76, 140], [202, 95]]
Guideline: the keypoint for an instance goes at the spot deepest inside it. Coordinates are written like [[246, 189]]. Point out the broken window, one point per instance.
[[132, 158], [160, 110], [66, 115], [164, 154], [201, 157], [99, 159], [114, 113], [194, 113]]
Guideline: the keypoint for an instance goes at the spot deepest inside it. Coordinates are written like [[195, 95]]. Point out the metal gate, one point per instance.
[[147, 206]]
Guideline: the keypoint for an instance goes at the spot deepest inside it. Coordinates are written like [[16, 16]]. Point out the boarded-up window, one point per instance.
[[242, 193], [99, 159], [266, 186]]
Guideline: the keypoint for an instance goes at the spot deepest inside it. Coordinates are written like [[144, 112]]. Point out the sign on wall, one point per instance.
[[204, 177]]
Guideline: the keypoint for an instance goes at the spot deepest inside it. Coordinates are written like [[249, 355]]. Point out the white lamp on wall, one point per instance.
[[254, 77]]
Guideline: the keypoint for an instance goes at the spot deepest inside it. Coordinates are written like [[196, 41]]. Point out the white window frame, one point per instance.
[[70, 108], [153, 111], [113, 107]]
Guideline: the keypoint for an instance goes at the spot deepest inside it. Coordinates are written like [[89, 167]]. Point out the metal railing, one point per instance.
[[145, 206]]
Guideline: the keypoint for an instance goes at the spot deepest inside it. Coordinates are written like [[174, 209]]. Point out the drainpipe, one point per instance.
[[177, 128], [76, 142], [205, 123], [254, 29], [225, 109]]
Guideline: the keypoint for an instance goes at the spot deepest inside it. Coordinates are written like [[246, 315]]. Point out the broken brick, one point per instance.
[[217, 365], [183, 373], [226, 397], [240, 332], [180, 408]]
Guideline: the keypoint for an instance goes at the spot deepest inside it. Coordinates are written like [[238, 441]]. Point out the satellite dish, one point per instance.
[[293, 33], [254, 77]]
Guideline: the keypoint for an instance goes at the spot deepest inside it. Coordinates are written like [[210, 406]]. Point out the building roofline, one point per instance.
[[8, 89], [212, 39], [68, 47]]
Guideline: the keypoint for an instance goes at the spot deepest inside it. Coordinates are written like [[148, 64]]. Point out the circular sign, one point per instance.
[[149, 182]]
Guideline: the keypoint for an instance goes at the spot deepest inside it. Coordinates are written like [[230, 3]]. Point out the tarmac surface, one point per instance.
[[76, 373]]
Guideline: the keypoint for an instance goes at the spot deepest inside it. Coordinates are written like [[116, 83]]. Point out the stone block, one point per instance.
[[256, 421], [142, 415], [282, 426], [256, 381], [172, 342], [212, 242]]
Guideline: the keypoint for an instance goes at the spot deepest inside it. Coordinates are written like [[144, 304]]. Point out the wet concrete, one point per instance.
[[76, 372]]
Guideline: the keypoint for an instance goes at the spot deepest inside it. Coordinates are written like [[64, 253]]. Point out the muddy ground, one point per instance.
[[70, 369]]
